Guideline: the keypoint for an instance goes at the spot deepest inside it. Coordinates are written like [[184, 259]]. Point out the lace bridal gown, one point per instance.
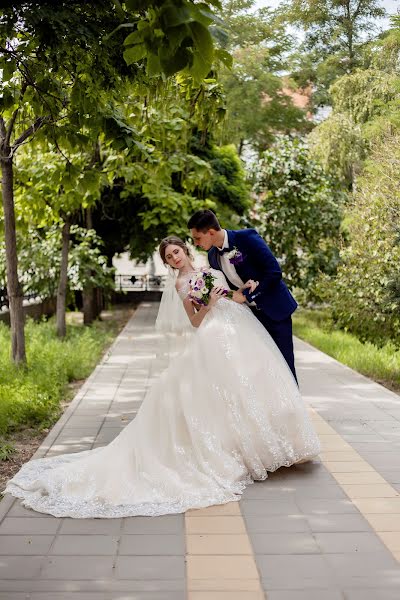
[[225, 412]]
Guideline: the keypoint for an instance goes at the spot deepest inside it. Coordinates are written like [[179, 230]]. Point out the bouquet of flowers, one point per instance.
[[201, 285]]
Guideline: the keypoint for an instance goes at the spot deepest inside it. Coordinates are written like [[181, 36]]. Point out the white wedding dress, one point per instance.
[[225, 412]]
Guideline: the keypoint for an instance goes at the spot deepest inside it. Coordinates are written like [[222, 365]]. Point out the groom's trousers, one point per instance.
[[282, 334]]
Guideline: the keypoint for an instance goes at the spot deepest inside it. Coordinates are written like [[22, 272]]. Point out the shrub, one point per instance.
[[365, 294]]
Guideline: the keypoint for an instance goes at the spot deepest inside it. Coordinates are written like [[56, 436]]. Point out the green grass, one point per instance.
[[379, 363], [32, 396]]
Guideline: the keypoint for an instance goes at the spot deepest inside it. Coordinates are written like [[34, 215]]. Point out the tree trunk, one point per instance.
[[14, 291], [89, 311], [63, 282], [88, 305]]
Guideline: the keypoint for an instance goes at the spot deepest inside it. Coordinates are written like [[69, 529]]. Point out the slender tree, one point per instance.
[[56, 60]]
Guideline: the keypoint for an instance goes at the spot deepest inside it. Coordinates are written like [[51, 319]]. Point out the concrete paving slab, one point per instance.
[[319, 531]]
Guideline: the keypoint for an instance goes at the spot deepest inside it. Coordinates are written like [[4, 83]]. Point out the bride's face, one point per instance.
[[176, 257]]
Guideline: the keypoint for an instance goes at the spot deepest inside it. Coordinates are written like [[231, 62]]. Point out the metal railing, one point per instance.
[[26, 298], [139, 283]]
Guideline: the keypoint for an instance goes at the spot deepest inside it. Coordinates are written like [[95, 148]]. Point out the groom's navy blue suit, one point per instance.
[[274, 302]]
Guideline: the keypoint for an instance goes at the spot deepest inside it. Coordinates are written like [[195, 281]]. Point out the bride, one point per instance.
[[225, 412]]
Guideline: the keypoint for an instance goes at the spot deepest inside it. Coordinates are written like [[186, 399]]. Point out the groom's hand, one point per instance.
[[250, 285]]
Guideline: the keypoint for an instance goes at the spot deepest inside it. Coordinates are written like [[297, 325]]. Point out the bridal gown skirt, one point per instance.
[[225, 412]]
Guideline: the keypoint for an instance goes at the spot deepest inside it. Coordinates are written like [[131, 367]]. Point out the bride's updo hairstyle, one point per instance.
[[173, 240]]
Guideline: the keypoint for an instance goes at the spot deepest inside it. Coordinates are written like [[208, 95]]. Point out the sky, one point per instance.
[[392, 6]]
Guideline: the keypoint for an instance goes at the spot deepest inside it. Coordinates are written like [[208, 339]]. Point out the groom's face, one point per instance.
[[202, 239]]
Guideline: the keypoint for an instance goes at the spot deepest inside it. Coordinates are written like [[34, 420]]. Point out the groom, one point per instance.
[[244, 255]]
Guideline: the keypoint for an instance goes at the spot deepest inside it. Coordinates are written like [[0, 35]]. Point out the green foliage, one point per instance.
[[172, 36], [365, 294], [6, 451], [226, 185], [366, 107], [153, 192], [299, 212], [379, 363], [364, 94], [257, 99], [39, 254], [338, 145], [31, 397], [336, 32]]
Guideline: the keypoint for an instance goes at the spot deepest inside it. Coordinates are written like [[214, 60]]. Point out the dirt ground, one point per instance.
[[28, 440]]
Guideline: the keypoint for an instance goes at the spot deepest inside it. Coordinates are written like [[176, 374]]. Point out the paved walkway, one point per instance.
[[328, 530]]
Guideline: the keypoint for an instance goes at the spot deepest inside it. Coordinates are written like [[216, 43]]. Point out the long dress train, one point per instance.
[[224, 413]]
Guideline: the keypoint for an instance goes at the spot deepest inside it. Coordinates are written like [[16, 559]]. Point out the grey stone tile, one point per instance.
[[152, 545], [349, 542], [17, 510], [284, 543], [305, 571], [319, 594], [72, 595], [67, 448], [366, 564], [78, 545], [101, 585], [150, 567], [66, 438], [168, 524], [388, 581], [371, 594], [25, 545], [20, 567], [362, 437], [90, 526], [321, 506], [323, 491], [15, 596], [269, 507], [108, 434], [78, 433], [373, 447], [338, 523], [83, 422], [78, 567], [261, 491], [387, 460], [128, 595], [276, 524], [29, 526], [172, 595], [118, 420]]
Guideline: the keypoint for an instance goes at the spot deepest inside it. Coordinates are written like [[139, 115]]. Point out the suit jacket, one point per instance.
[[271, 295]]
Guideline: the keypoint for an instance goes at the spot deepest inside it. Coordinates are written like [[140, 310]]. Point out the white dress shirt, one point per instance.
[[227, 267]]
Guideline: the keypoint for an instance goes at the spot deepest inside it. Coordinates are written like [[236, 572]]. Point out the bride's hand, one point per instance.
[[215, 294], [250, 284]]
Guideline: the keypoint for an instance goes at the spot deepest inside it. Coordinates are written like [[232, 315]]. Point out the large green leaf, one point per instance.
[[153, 65], [224, 57], [177, 62], [173, 15], [204, 50], [135, 53], [136, 37]]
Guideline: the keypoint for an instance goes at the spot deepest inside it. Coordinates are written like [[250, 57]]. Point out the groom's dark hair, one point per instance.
[[203, 220]]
